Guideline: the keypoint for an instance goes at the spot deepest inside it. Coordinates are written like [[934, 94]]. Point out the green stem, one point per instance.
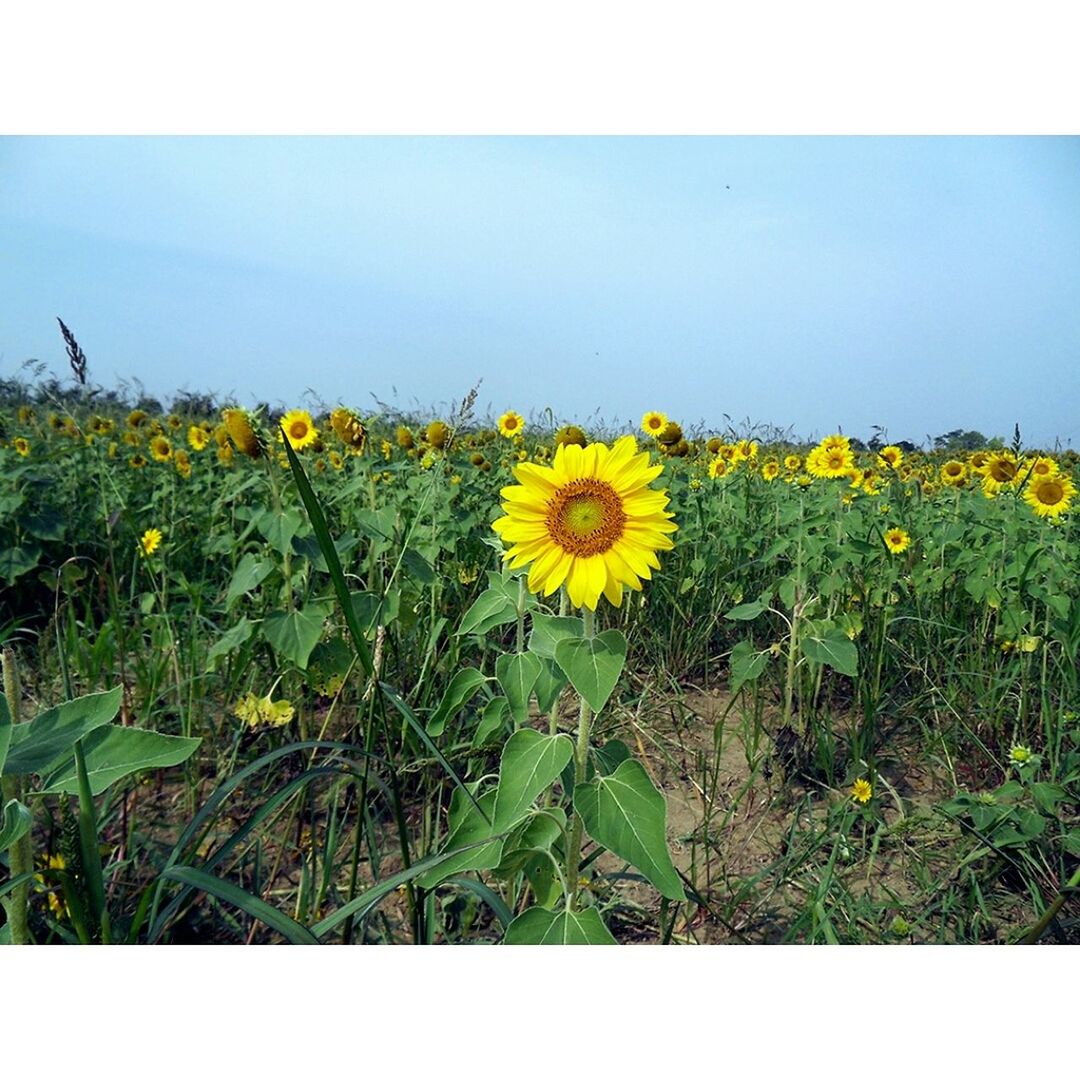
[[1039, 928], [581, 758], [21, 853]]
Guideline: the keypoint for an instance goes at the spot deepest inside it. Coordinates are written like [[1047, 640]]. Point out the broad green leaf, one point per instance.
[[627, 815], [492, 719], [38, 744], [458, 693], [610, 756], [746, 612], [538, 926], [517, 674], [593, 665], [747, 664], [548, 630], [294, 634], [467, 830], [417, 567], [14, 824], [372, 610], [279, 527], [549, 685], [113, 752], [530, 763], [45, 525], [833, 648], [16, 561], [232, 639], [250, 572], [308, 546], [490, 609], [538, 833]]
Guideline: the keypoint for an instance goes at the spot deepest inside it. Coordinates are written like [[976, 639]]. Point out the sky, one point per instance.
[[917, 284]]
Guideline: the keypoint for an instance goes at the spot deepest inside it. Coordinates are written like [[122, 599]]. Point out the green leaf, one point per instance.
[[16, 561], [250, 572], [517, 674], [611, 755], [461, 689], [326, 545], [833, 648], [14, 824], [289, 929], [492, 719], [746, 612], [279, 527], [593, 665], [548, 630], [113, 752], [308, 547], [538, 926], [747, 664], [549, 685], [467, 830], [530, 763], [45, 525], [38, 744], [232, 639], [490, 609], [417, 567], [294, 634], [627, 815], [372, 610], [537, 833]]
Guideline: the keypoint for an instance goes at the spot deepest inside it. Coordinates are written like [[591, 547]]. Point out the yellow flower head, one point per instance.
[[718, 467], [589, 520], [829, 461], [198, 437], [258, 711], [241, 428], [897, 540], [349, 429], [298, 427], [954, 473], [437, 434], [891, 456], [861, 791], [22, 447], [136, 418], [1020, 755], [160, 448], [150, 542], [652, 423], [182, 463], [511, 425], [770, 470], [1050, 495]]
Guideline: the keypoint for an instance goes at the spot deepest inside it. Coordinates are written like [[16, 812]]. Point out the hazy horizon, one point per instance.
[[920, 284]]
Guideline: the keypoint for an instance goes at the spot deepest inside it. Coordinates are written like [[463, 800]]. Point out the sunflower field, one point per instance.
[[284, 676]]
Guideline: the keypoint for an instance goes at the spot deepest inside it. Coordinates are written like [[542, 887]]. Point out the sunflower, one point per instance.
[[183, 463], [1041, 466], [770, 470], [714, 444], [137, 461], [892, 456], [437, 434], [511, 425], [298, 427], [1050, 496], [570, 435], [174, 422], [897, 541], [198, 438], [671, 435], [404, 438], [829, 461], [136, 418], [349, 429], [241, 428], [718, 468], [1001, 470], [336, 460], [792, 463], [225, 455], [652, 423], [160, 448], [954, 473], [590, 520], [835, 442], [22, 446], [979, 461], [150, 542]]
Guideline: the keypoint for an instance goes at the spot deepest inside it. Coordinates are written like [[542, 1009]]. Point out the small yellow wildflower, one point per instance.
[[861, 791]]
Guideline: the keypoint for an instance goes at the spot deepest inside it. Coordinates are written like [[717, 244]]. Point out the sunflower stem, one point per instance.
[[581, 758]]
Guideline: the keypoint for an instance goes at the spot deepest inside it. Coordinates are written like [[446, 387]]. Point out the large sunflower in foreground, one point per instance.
[[298, 428], [590, 520], [1050, 496]]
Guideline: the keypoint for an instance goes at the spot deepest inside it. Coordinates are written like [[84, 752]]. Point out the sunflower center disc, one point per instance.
[[585, 517], [298, 429], [1050, 493]]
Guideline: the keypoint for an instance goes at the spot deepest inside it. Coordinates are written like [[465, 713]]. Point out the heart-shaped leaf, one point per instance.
[[36, 746], [627, 815], [593, 665], [530, 762], [537, 926], [295, 633], [832, 647], [460, 690], [517, 674]]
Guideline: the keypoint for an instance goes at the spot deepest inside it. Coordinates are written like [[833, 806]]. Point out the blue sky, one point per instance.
[[920, 284]]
